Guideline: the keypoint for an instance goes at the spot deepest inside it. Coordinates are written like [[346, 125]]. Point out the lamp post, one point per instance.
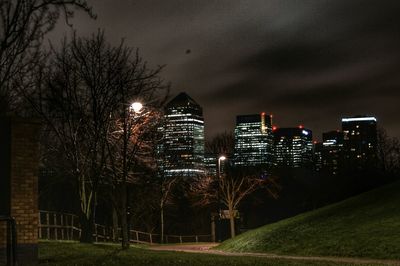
[[134, 108], [220, 158]]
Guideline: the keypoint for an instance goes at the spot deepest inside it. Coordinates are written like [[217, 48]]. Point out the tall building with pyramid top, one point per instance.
[[182, 148]]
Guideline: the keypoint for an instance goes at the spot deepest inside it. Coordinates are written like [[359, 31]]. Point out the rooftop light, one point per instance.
[[355, 119]]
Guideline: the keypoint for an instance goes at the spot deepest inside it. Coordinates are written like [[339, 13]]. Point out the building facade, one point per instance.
[[211, 164], [360, 139], [182, 148], [253, 141], [293, 147], [332, 151], [317, 158]]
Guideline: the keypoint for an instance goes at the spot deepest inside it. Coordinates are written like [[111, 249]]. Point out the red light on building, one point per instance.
[[301, 126], [274, 128], [263, 113]]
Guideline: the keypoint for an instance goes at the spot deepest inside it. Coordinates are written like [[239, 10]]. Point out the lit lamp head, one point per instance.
[[220, 158], [136, 107]]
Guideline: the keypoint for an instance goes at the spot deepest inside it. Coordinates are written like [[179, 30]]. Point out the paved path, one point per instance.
[[205, 248]]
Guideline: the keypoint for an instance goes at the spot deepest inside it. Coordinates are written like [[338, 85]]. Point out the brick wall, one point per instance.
[[22, 148]]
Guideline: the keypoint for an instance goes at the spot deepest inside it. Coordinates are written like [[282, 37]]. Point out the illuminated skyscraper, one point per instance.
[[360, 139], [317, 158], [253, 140], [293, 147], [182, 149], [211, 164], [332, 151]]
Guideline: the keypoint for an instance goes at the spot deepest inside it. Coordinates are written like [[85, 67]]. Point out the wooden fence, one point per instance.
[[62, 226], [58, 226]]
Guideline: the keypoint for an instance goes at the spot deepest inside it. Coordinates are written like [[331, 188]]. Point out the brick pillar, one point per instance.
[[19, 162]]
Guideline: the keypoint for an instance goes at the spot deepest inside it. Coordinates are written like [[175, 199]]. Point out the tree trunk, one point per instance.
[[115, 225], [232, 222], [124, 228], [162, 225], [86, 229], [124, 217]]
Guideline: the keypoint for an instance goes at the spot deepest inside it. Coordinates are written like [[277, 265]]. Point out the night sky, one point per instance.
[[306, 62]]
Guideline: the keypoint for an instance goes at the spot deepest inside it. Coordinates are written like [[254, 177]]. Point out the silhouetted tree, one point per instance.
[[130, 149], [23, 24], [388, 152], [83, 97], [166, 188], [222, 143], [231, 188]]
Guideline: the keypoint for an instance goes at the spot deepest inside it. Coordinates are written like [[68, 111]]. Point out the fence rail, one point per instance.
[[64, 226], [58, 226]]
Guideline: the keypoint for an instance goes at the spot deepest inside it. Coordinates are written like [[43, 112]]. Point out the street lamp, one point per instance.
[[220, 158], [136, 107]]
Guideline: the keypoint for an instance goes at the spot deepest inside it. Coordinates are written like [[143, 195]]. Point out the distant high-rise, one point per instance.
[[182, 149], [360, 139], [211, 164], [293, 147], [253, 140], [332, 151], [317, 158]]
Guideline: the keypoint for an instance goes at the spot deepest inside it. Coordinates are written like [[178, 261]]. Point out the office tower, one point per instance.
[[332, 151], [293, 147], [360, 140], [182, 148], [211, 164], [253, 141], [317, 159]]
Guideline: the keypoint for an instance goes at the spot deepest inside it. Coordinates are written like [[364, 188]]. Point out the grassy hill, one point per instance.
[[367, 225]]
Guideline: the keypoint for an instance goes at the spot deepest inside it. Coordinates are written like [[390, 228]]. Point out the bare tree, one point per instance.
[[130, 149], [222, 143], [166, 190], [23, 24], [388, 152], [231, 188], [131, 136], [79, 93], [145, 208]]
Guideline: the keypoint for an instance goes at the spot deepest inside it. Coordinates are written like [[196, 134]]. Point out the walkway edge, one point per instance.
[[205, 249]]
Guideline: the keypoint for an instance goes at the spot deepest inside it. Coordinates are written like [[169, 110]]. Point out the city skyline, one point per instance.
[[316, 138], [304, 62], [211, 132], [259, 143]]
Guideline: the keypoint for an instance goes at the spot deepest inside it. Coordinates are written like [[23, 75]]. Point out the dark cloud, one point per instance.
[[291, 57], [307, 62]]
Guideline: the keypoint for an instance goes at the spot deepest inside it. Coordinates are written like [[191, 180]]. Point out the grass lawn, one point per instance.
[[364, 226], [72, 253]]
